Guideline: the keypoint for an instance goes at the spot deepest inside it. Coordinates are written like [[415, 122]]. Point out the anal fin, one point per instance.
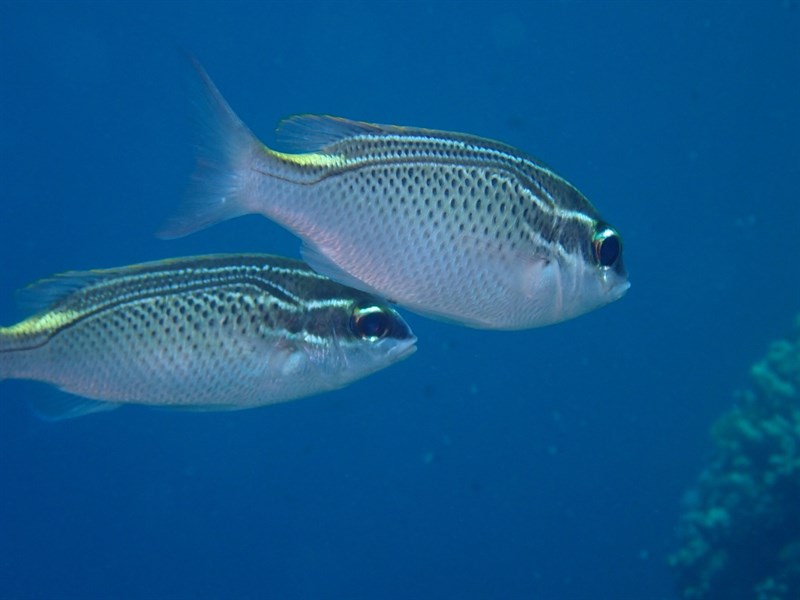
[[60, 406]]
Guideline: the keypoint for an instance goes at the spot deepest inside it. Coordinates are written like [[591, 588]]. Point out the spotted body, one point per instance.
[[450, 225], [223, 331]]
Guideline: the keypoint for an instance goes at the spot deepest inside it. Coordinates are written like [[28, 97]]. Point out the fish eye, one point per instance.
[[607, 246], [370, 323]]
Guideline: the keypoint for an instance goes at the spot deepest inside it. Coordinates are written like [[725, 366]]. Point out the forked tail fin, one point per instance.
[[226, 153]]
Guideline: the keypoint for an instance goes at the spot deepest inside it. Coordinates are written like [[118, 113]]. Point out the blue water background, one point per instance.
[[544, 464]]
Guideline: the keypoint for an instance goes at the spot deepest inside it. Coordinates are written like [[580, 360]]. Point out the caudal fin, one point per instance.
[[226, 152]]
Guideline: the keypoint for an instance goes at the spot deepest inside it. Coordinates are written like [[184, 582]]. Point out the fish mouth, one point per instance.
[[404, 349], [619, 290]]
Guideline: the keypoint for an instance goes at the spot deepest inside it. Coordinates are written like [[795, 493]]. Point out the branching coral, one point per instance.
[[740, 531]]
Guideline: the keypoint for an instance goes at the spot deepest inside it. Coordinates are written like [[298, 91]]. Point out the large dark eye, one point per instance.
[[370, 323], [607, 246]]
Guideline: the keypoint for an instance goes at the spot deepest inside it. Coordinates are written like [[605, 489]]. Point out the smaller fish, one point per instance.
[[208, 332]]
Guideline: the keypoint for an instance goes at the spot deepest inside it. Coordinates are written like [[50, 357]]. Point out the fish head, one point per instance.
[[590, 274], [367, 338], [606, 266], [598, 277]]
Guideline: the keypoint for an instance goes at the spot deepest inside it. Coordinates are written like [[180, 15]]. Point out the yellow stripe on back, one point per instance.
[[42, 324], [311, 159]]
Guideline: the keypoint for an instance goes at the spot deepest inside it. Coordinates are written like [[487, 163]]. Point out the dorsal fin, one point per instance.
[[318, 133], [47, 293], [312, 133]]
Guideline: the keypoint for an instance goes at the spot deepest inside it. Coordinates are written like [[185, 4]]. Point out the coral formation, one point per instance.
[[740, 532]]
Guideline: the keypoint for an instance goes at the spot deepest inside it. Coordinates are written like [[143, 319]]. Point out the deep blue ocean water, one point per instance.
[[545, 464]]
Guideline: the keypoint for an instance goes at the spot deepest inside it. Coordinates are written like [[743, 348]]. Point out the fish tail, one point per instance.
[[227, 152]]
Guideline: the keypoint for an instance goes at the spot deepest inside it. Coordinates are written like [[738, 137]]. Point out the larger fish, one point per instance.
[[449, 225], [224, 331]]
